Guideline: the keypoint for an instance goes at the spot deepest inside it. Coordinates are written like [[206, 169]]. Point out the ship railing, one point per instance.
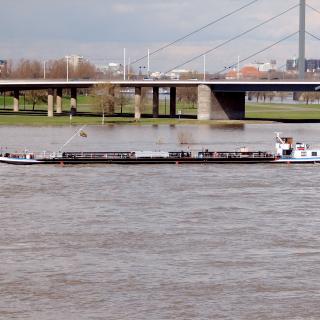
[[97, 155], [45, 155], [71, 155], [28, 155], [232, 155], [110, 155], [180, 154]]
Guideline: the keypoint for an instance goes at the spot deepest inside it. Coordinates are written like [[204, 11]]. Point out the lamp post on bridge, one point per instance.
[[302, 40], [204, 67], [44, 69], [67, 57], [141, 70], [124, 64]]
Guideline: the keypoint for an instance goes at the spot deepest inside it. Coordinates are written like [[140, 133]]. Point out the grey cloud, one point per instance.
[[101, 28]]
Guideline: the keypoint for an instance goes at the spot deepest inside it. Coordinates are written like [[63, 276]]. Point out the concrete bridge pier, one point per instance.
[[50, 102], [155, 107], [73, 103], [173, 102], [59, 101], [16, 95], [137, 103], [220, 105]]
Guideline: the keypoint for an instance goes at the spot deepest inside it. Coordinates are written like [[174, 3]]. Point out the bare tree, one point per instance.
[[85, 70], [145, 99], [188, 95], [35, 96], [308, 97], [28, 69], [121, 98], [270, 96], [104, 99], [57, 69], [250, 95], [257, 95], [282, 95], [264, 96], [317, 96]]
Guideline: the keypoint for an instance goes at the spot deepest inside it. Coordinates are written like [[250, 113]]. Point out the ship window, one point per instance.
[[303, 154], [314, 154]]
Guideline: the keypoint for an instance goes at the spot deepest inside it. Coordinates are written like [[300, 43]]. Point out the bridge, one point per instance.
[[217, 100]]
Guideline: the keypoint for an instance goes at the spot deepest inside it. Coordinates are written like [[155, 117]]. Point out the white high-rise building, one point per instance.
[[75, 60], [266, 66]]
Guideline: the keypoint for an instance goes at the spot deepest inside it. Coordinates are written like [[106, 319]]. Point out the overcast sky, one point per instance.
[[100, 29]]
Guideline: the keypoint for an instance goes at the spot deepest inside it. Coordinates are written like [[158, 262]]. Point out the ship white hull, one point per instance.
[[19, 161], [297, 160]]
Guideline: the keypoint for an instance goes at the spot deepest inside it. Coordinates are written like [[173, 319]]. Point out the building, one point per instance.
[[256, 70], [115, 67], [292, 65], [156, 75], [75, 60], [178, 74], [3, 67], [249, 72], [311, 65], [266, 66]]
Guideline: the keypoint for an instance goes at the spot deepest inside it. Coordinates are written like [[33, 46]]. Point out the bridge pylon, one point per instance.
[[302, 40]]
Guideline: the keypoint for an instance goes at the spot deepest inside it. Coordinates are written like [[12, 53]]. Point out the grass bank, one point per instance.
[[280, 112], [43, 120], [255, 113]]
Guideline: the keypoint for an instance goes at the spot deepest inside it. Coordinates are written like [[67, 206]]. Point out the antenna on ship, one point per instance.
[[79, 131], [278, 137]]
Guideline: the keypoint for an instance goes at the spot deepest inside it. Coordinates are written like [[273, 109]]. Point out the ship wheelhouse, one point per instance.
[[286, 149]]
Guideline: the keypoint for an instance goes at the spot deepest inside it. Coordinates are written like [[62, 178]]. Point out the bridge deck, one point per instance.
[[217, 85]]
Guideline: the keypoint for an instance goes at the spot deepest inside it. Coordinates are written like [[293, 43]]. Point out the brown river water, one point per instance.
[[159, 241]]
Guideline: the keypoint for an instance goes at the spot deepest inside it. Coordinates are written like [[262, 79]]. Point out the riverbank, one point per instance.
[[42, 120], [279, 112], [255, 113]]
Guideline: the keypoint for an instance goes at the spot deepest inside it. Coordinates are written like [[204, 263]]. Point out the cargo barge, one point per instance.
[[286, 152]]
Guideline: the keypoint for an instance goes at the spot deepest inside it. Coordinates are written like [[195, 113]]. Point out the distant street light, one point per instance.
[[140, 70], [67, 57], [148, 63], [124, 64], [204, 67], [44, 69]]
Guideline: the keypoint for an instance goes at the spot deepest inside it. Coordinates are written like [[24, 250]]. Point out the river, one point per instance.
[[159, 241]]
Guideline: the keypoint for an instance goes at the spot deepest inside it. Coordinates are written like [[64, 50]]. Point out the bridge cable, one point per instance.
[[314, 9], [195, 31], [312, 35], [233, 38], [260, 51]]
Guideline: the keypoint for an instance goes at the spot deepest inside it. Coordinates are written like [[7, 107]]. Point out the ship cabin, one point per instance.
[[287, 149]]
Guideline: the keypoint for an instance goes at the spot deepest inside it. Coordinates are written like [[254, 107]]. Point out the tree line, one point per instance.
[[52, 69], [269, 96]]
